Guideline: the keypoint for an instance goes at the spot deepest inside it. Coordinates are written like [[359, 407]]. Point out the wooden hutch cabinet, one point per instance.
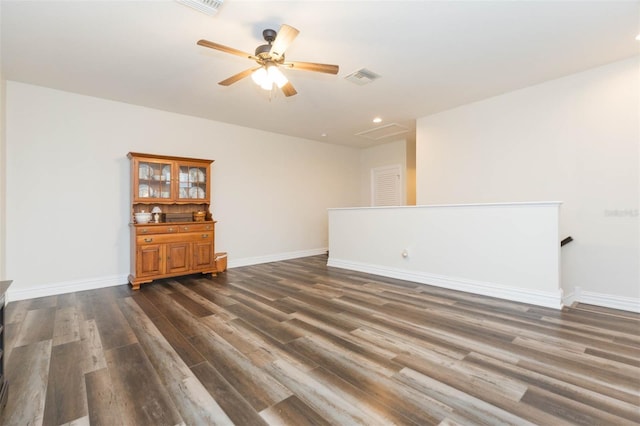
[[182, 240]]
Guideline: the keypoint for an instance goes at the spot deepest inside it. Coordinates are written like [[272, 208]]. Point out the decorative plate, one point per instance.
[[144, 171], [166, 173], [196, 175], [144, 191], [196, 192]]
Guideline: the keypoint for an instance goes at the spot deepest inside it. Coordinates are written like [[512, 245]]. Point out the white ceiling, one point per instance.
[[432, 55]]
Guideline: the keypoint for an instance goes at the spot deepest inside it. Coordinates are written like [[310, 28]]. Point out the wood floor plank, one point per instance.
[[27, 372], [180, 318], [211, 307], [93, 355], [408, 408], [366, 376], [140, 395], [178, 342], [347, 341], [43, 303], [279, 331], [146, 305], [321, 398], [231, 401], [258, 388], [292, 411], [36, 326], [113, 327], [259, 347], [194, 308], [101, 400], [66, 327], [572, 411], [466, 409], [16, 311], [66, 394]]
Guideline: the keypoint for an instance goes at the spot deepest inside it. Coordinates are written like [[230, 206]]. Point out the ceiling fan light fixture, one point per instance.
[[268, 75], [260, 76], [276, 76]]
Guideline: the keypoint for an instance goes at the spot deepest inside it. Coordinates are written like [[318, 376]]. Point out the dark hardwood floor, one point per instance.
[[298, 343]]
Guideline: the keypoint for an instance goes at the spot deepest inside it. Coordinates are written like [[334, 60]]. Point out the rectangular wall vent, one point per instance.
[[362, 76], [209, 7], [383, 132]]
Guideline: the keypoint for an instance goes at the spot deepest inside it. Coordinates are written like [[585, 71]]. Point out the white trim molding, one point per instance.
[[53, 289], [622, 303], [533, 297], [247, 261]]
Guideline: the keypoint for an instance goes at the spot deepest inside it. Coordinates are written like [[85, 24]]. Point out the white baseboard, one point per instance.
[[534, 297], [622, 303], [15, 293], [247, 261]]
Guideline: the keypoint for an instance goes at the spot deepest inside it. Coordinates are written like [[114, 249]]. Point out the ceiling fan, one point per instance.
[[270, 57]]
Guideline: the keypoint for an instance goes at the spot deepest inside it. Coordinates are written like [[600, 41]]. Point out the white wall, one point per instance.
[[68, 186], [2, 179], [575, 139], [387, 154], [510, 251]]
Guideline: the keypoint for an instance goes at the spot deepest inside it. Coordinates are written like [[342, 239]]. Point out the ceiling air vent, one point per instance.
[[209, 7], [383, 132], [362, 76]]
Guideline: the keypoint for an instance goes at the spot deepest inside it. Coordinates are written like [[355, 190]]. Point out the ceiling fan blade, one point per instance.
[[288, 89], [237, 77], [310, 66], [285, 37], [216, 46]]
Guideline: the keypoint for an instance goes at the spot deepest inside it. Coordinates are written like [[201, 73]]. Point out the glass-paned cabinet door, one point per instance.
[[154, 180], [192, 182]]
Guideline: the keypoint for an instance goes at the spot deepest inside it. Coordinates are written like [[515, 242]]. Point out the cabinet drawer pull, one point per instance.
[[148, 240], [185, 228], [205, 235], [170, 229], [144, 230], [207, 227]]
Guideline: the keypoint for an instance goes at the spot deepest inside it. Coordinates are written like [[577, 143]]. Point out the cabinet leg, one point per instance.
[[135, 284]]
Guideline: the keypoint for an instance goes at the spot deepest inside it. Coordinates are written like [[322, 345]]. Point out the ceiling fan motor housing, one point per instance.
[[263, 51]]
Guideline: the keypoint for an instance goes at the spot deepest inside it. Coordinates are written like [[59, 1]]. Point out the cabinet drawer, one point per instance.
[[174, 238], [204, 236], [156, 229], [195, 227], [158, 239]]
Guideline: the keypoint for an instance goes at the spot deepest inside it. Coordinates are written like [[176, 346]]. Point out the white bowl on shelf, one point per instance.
[[142, 217]]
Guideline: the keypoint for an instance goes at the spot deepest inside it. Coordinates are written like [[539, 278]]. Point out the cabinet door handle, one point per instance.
[[148, 240], [205, 235]]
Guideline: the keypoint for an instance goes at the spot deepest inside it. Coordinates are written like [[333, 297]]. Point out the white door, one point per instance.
[[386, 186]]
